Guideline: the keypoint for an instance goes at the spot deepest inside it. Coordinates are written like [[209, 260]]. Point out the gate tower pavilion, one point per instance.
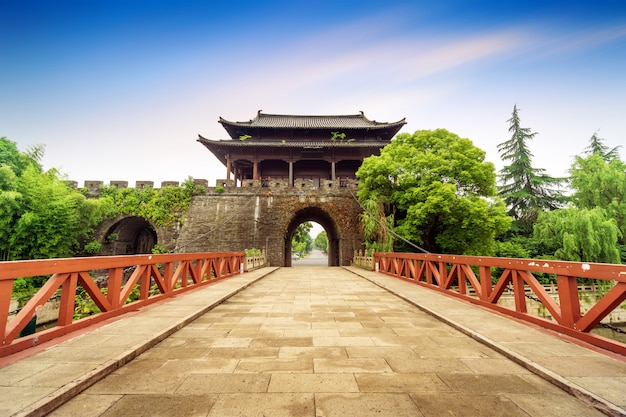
[[290, 147]]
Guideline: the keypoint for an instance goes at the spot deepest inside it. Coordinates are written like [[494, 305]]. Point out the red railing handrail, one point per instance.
[[452, 274], [170, 273]]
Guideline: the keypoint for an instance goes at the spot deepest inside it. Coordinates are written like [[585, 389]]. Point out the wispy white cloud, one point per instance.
[[337, 60], [558, 43]]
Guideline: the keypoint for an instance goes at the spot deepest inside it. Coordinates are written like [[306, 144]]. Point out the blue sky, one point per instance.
[[119, 90]]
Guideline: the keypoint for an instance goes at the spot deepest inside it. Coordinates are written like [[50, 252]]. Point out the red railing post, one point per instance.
[[567, 288], [486, 283], [519, 292], [6, 289], [144, 283], [68, 296], [114, 287], [443, 275], [167, 277]]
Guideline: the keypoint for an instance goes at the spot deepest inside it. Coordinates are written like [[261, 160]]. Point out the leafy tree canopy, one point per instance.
[[321, 241], [301, 241], [18, 161], [40, 215], [598, 183], [580, 235], [594, 227], [439, 189]]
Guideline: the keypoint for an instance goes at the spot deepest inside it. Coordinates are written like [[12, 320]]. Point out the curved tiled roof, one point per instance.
[[289, 144], [282, 121]]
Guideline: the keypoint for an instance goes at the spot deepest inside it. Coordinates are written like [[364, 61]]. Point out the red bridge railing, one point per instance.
[[156, 277], [484, 280]]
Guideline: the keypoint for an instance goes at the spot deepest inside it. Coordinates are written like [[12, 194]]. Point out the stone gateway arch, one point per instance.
[[266, 217]]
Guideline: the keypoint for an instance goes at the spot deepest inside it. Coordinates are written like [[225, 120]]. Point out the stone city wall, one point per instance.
[[261, 214]]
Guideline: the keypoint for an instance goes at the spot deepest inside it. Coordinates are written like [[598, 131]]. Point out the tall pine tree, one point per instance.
[[597, 147], [527, 191]]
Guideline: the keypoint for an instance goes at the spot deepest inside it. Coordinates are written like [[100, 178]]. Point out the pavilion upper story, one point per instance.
[[291, 147]]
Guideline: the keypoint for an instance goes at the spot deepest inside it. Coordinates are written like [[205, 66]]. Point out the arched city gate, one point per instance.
[[265, 216], [317, 215]]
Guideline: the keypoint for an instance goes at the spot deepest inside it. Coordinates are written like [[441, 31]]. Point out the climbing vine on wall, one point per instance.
[[161, 206]]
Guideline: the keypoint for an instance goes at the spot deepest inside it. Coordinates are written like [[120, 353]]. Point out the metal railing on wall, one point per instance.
[[484, 281], [129, 282]]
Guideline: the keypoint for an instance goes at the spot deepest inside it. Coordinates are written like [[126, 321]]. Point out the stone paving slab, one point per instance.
[[318, 342], [37, 384]]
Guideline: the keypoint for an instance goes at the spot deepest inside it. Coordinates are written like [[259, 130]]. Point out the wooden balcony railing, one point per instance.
[[129, 282], [484, 280]]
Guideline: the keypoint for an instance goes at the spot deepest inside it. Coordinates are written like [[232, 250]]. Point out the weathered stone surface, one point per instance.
[[265, 217], [380, 405]]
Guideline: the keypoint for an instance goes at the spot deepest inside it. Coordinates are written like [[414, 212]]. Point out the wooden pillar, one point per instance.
[[290, 173], [332, 170], [228, 167], [255, 170]]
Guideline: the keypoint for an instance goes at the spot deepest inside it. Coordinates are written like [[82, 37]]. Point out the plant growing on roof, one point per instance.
[[339, 136]]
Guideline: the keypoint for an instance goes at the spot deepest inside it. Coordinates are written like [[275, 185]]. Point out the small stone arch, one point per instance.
[[129, 235], [317, 215]]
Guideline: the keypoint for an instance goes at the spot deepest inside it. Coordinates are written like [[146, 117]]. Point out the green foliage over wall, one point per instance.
[[161, 206]]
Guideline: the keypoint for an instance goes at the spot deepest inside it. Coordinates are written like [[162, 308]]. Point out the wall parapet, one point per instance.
[[93, 186], [282, 185], [256, 262], [230, 186], [361, 260]]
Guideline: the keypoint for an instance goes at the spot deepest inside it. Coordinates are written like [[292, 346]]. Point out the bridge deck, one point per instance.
[[314, 342]]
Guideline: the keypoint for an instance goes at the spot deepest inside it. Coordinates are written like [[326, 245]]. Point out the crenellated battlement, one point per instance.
[[93, 186], [329, 187]]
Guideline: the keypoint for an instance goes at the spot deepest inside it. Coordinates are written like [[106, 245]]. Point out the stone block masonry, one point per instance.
[[264, 214]]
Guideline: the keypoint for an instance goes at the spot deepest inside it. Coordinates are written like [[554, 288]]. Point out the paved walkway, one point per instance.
[[315, 342]]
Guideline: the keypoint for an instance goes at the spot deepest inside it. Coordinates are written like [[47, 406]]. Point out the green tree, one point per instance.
[[40, 215], [440, 190], [598, 183], [580, 235], [376, 227], [594, 227], [597, 147], [526, 190], [321, 241], [18, 161], [301, 241]]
